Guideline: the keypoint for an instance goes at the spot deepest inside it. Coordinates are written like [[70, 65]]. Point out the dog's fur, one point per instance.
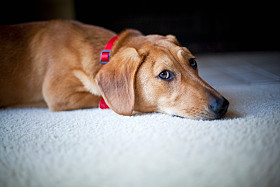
[[57, 63]]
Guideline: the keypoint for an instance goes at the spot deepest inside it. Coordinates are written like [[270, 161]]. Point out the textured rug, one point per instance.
[[96, 147]]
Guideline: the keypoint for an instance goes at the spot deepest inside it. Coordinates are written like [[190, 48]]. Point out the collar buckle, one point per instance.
[[105, 56], [104, 59]]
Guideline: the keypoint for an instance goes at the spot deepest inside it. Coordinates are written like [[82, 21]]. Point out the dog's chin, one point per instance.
[[195, 116], [198, 115]]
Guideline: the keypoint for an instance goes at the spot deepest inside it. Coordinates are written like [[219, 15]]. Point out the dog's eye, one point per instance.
[[166, 75], [193, 63]]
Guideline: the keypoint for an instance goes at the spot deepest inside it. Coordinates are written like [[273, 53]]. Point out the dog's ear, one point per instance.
[[116, 80], [172, 39]]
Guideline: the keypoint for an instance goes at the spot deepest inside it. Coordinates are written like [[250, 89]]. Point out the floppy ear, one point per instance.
[[116, 80]]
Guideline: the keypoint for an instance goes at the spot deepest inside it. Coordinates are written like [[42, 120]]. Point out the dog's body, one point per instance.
[[57, 62]]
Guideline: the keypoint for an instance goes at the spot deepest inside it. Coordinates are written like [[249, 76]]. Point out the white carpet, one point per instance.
[[96, 147]]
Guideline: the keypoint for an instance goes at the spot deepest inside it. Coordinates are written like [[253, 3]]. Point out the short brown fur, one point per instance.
[[57, 63]]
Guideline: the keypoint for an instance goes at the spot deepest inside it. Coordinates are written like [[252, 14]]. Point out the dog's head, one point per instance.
[[154, 73]]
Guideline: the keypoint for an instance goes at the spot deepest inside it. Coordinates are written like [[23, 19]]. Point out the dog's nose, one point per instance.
[[219, 106]]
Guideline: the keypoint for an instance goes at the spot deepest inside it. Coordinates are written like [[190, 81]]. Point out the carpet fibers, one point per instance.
[[96, 147]]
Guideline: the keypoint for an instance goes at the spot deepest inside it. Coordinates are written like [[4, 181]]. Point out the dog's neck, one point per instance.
[[111, 48], [104, 59], [106, 53]]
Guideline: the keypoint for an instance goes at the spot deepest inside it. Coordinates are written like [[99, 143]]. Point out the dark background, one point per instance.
[[212, 27]]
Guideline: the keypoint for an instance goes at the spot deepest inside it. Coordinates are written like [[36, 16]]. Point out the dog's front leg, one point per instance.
[[67, 93]]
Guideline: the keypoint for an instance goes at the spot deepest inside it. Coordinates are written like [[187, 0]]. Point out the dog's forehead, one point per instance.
[[166, 46]]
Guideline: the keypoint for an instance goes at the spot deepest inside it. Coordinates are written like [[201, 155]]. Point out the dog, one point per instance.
[[57, 62]]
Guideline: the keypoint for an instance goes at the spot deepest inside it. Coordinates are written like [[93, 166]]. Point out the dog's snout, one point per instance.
[[218, 106]]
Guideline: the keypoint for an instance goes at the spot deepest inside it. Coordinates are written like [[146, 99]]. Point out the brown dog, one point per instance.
[[57, 62]]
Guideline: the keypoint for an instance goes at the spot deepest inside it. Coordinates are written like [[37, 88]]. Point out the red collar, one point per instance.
[[106, 53], [104, 59]]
